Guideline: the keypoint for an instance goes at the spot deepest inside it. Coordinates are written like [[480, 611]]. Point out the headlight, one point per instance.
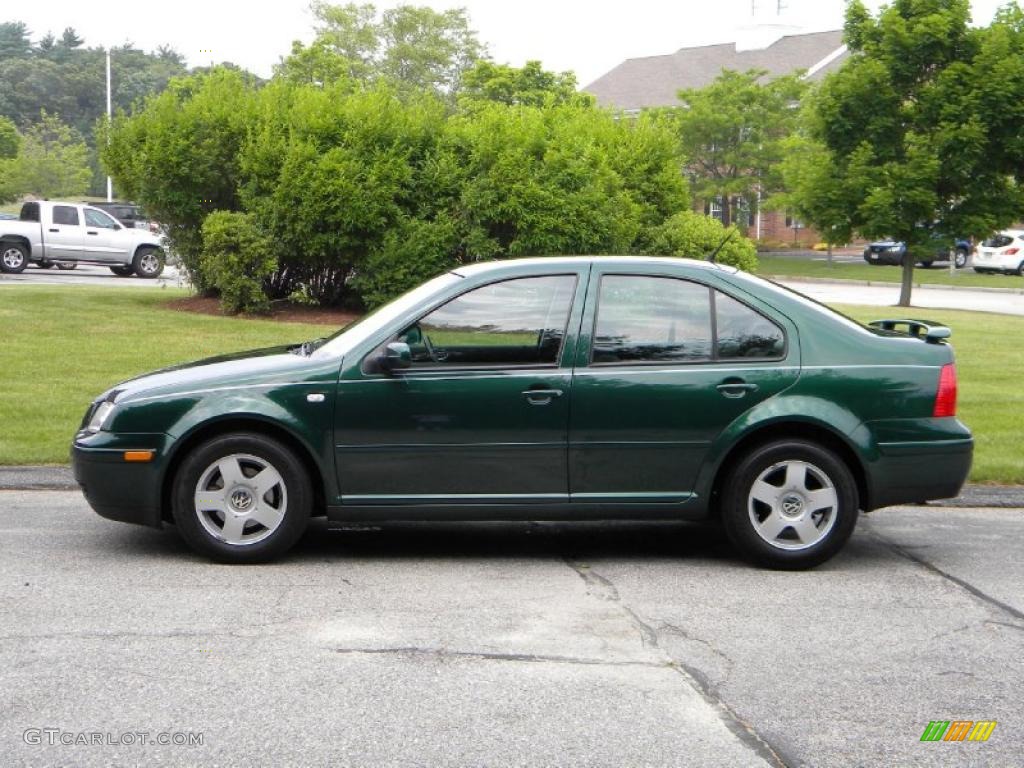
[[100, 416], [894, 248]]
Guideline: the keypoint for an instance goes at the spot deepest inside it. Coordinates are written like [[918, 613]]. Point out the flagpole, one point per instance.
[[110, 186]]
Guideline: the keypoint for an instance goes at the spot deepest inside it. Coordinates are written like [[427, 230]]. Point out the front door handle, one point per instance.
[[91, 233], [54, 230], [734, 388], [541, 396]]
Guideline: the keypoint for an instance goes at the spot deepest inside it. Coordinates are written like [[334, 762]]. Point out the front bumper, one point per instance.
[[129, 492], [884, 257]]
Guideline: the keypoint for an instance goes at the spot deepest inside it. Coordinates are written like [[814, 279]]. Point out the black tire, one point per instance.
[[926, 264], [44, 264], [148, 263], [13, 258], [832, 525], [960, 258], [64, 266], [1020, 269], [291, 499], [125, 271]]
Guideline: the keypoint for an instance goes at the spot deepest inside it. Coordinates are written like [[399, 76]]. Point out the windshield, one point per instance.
[[357, 332]]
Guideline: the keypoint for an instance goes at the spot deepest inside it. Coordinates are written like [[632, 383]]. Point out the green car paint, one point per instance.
[[576, 439]]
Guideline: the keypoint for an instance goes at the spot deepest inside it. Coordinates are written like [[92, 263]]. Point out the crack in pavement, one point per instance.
[[965, 585], [602, 588], [532, 658]]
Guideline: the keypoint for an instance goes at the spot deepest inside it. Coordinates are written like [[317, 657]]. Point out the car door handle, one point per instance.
[[541, 396], [735, 388], [91, 233], [55, 230]]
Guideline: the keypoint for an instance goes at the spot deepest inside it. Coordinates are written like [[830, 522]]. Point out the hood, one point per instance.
[[257, 366]]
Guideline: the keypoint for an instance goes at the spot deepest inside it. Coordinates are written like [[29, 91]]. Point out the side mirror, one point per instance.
[[396, 355], [117, 227]]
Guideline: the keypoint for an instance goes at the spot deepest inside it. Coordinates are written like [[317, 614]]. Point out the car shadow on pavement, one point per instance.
[[705, 543]]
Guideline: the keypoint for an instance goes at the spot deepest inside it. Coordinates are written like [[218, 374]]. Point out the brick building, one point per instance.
[[768, 44]]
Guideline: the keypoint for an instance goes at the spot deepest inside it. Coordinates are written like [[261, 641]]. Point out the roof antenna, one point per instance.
[[711, 256]]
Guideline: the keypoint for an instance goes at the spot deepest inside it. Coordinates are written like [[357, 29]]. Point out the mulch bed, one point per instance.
[[282, 312]]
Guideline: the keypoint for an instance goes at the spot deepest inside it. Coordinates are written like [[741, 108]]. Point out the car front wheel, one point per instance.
[[242, 498], [790, 504], [960, 258], [148, 263]]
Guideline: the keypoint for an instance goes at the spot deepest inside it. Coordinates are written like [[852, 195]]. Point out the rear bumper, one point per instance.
[[129, 492], [911, 472]]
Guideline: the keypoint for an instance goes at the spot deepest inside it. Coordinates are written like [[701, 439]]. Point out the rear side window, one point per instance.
[[744, 333], [998, 241], [66, 215], [29, 212], [643, 319], [652, 320]]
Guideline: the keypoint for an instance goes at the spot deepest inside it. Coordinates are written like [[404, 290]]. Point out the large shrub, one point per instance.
[[237, 259], [694, 236]]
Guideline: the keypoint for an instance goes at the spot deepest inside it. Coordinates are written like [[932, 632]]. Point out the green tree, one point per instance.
[[731, 132], [14, 41], [922, 124], [695, 236], [52, 161], [10, 139], [414, 47], [530, 85], [179, 155]]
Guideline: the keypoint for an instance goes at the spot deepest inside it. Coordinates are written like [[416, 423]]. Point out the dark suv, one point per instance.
[[128, 214], [891, 252]]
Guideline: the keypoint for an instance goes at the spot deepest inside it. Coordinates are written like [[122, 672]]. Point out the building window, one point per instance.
[[741, 212], [714, 208]]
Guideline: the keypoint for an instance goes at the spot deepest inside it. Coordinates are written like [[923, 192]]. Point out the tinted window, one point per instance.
[[515, 322], [98, 219], [652, 319], [998, 241], [29, 212], [65, 214], [742, 332]]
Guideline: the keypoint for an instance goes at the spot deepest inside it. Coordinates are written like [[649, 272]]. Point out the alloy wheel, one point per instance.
[[241, 499], [792, 505]]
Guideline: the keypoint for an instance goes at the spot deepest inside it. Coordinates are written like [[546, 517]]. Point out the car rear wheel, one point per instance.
[[148, 263], [125, 271], [13, 258], [790, 504], [66, 265], [960, 258], [242, 498], [927, 264], [1020, 269]]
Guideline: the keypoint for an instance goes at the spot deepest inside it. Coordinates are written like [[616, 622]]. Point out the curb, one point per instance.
[[884, 284], [60, 478]]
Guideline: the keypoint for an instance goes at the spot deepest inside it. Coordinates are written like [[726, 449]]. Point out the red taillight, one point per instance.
[[1010, 251], [945, 398]]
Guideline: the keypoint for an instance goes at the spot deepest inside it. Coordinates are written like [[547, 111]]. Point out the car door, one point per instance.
[[101, 241], [64, 233], [481, 415], [664, 365]]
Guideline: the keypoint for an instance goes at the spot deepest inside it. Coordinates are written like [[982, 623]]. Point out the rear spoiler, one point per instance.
[[932, 332]]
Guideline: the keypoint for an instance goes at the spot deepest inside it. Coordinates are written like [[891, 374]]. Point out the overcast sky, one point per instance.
[[587, 36]]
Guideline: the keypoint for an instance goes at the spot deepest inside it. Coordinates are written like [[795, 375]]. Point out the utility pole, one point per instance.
[[110, 185]]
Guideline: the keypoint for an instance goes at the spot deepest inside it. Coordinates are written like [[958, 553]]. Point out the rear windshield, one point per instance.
[[998, 241]]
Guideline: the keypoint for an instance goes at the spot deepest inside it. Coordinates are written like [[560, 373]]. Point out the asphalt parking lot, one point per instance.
[[90, 274], [520, 644]]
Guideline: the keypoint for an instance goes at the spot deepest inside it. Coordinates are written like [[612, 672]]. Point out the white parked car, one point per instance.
[[66, 234], [1003, 252]]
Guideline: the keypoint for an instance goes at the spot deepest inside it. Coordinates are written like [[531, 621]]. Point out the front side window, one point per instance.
[[643, 319], [98, 219], [652, 319], [513, 322], [65, 215]]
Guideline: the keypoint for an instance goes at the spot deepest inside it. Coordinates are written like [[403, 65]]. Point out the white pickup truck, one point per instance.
[[48, 233]]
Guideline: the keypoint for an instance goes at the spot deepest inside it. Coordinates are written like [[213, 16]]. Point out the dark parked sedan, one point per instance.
[[545, 389]]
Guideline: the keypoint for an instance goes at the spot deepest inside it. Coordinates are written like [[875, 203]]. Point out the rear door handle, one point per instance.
[[91, 233], [541, 396], [735, 388], [55, 230]]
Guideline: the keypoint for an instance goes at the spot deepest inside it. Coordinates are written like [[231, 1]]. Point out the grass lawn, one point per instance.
[[783, 266], [62, 346]]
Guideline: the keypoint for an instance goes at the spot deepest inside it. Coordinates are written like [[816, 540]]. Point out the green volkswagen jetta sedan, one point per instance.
[[545, 389]]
